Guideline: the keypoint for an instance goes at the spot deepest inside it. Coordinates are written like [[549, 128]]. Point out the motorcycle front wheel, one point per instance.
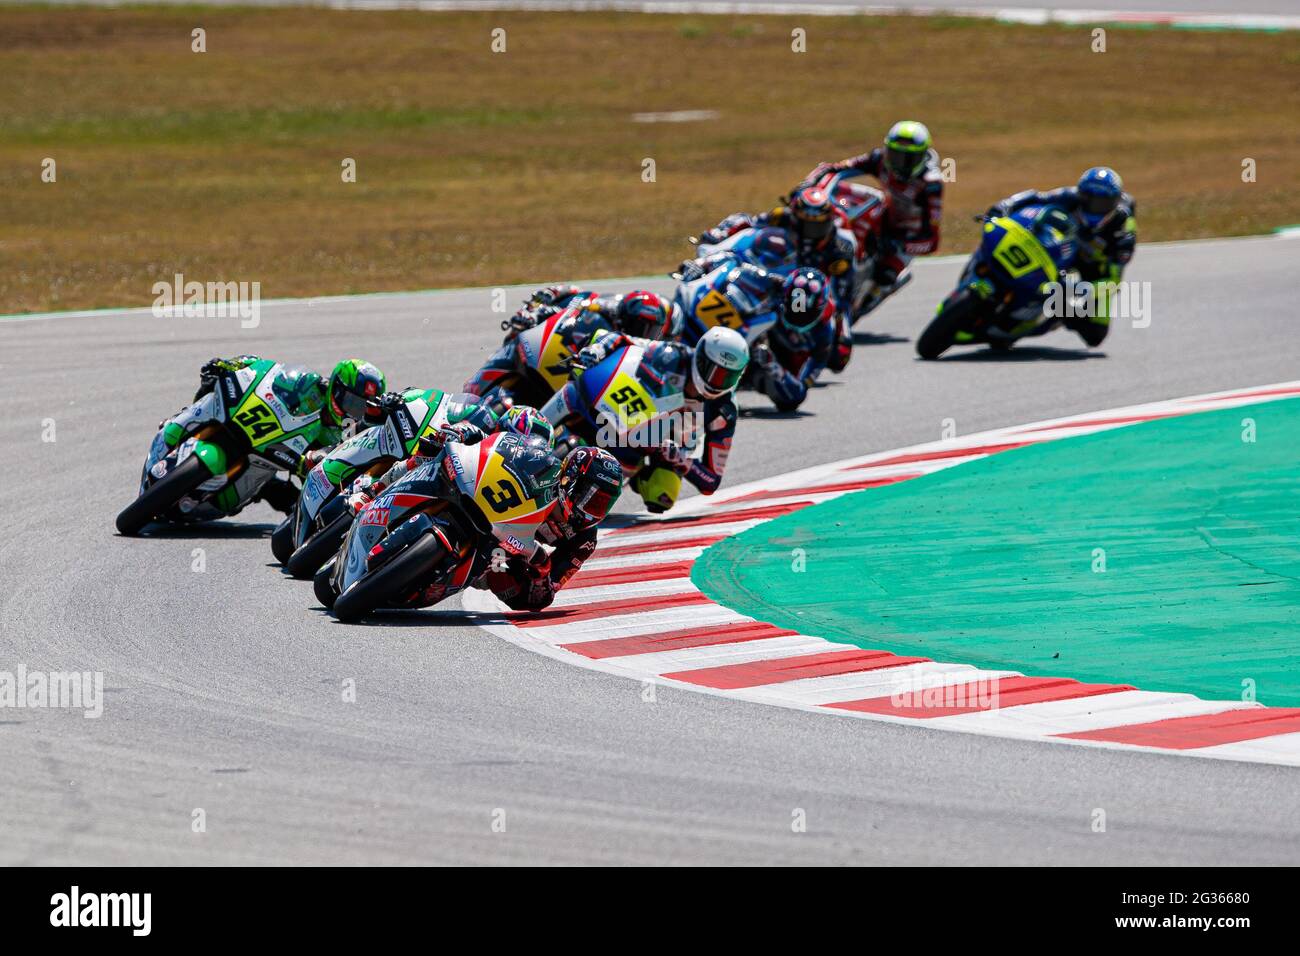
[[394, 578], [316, 550], [162, 495], [942, 331]]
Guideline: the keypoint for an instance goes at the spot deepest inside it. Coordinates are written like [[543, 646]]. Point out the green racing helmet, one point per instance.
[[353, 383], [906, 147], [301, 390]]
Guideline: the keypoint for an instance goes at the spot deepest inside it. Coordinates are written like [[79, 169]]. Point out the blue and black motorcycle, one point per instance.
[[1021, 262]]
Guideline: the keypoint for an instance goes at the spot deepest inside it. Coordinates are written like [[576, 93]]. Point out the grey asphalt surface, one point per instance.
[[223, 688], [1148, 6]]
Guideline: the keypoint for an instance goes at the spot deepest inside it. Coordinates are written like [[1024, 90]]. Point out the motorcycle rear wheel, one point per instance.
[[395, 577], [162, 495]]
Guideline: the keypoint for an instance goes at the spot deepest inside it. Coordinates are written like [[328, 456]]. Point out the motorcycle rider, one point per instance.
[[710, 373], [590, 482], [733, 293], [342, 403], [809, 217], [907, 167], [772, 249], [1107, 219], [639, 313], [798, 347]]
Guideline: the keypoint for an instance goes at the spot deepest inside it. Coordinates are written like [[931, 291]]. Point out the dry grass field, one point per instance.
[[476, 167]]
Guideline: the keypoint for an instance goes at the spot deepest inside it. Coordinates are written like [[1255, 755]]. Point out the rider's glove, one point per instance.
[[309, 461], [675, 457], [762, 356], [358, 501], [690, 269], [584, 359]]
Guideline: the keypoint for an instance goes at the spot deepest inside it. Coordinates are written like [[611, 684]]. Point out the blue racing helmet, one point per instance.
[[806, 295], [1100, 189], [771, 248]]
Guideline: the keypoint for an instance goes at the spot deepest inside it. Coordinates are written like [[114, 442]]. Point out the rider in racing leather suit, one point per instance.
[[569, 530], [1106, 242], [672, 361], [364, 381], [809, 218], [908, 170], [797, 348], [636, 313]]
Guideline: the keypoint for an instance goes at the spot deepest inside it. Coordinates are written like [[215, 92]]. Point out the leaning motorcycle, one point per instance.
[[530, 366], [723, 297], [437, 530], [627, 407], [222, 451], [1000, 296], [307, 538], [859, 215]]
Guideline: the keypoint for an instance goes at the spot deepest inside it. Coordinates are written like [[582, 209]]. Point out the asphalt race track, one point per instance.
[[223, 688]]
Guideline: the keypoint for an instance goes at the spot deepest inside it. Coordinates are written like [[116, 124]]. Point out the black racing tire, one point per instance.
[[162, 495], [319, 548], [396, 576], [282, 540], [941, 333], [323, 585]]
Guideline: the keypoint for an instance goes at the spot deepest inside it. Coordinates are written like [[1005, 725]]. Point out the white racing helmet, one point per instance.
[[720, 358]]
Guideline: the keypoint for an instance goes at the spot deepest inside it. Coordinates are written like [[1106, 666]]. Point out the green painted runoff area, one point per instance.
[[1164, 555]]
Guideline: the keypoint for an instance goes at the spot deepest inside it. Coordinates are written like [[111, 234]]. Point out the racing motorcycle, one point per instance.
[[767, 247], [308, 537], [729, 296], [860, 213], [441, 526], [531, 365], [231, 443], [1000, 296], [623, 404]]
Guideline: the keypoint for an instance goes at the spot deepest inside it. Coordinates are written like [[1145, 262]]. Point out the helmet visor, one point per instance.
[[800, 320], [1097, 206], [815, 230], [595, 502], [717, 379], [348, 404], [904, 162]]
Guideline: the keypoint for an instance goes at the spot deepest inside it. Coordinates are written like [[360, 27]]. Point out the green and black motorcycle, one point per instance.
[[313, 532], [215, 457]]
